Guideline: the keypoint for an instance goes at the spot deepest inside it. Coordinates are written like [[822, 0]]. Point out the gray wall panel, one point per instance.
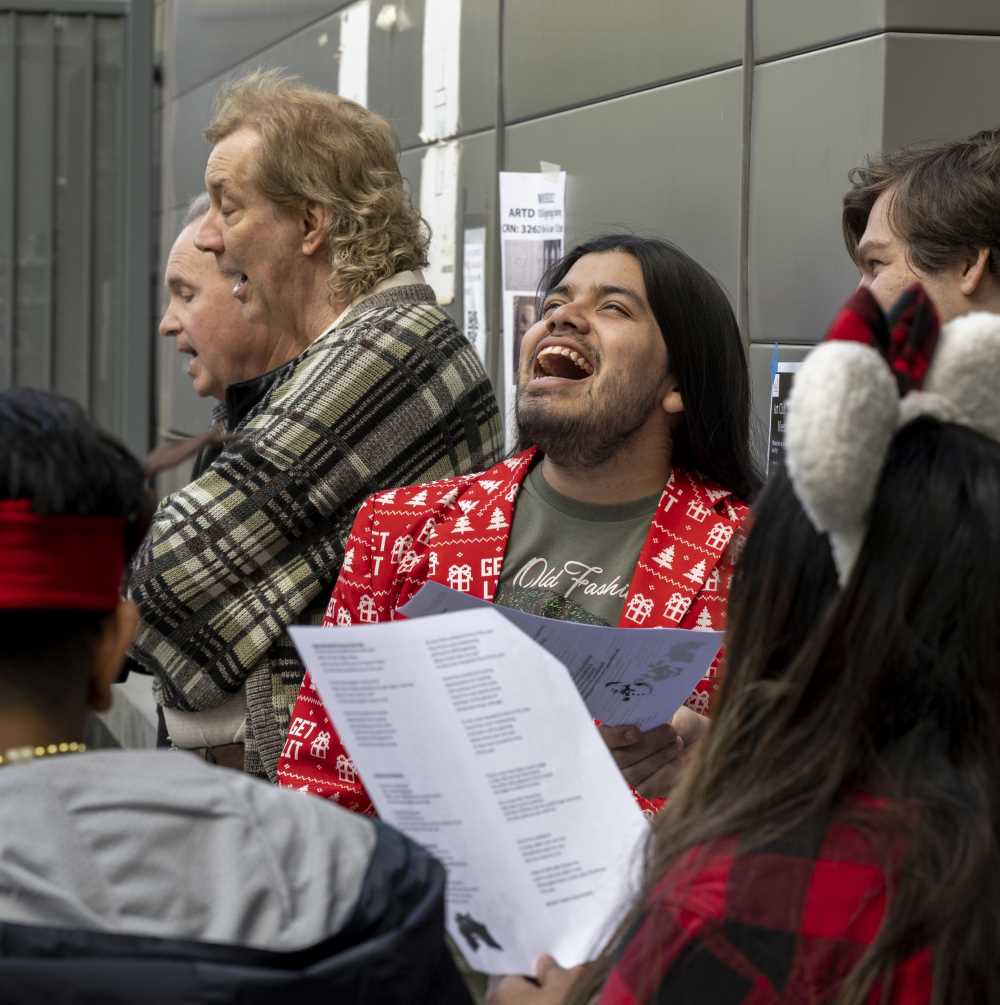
[[311, 54], [394, 85], [208, 38], [562, 53], [75, 248], [799, 270], [72, 363], [474, 208], [8, 184], [109, 220], [940, 87], [395, 69], [34, 333], [628, 170], [783, 26], [642, 104], [184, 148]]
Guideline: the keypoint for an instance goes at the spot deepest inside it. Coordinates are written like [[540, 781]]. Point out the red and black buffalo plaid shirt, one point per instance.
[[783, 923]]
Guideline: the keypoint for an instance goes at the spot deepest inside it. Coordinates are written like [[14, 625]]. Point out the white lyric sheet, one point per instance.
[[474, 741], [627, 676]]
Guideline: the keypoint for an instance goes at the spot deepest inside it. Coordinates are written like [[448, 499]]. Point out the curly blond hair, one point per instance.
[[317, 147]]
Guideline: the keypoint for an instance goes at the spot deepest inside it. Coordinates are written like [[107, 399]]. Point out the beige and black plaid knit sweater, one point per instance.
[[393, 395]]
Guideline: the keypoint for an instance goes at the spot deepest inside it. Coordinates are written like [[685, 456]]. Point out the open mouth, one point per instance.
[[240, 286], [561, 361]]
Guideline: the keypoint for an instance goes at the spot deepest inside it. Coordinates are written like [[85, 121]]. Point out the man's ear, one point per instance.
[[672, 401], [973, 270], [314, 225], [116, 635]]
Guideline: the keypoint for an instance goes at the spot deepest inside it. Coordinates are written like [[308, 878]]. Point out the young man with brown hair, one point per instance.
[[930, 215]]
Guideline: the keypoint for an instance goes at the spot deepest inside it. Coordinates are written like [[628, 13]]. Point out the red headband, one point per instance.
[[59, 562]]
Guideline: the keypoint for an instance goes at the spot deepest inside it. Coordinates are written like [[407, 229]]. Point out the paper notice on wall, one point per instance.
[[440, 92], [352, 77], [781, 388], [474, 741], [474, 288], [532, 225], [439, 207]]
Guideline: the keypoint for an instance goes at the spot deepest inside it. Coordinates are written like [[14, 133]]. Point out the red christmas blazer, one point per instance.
[[455, 532]]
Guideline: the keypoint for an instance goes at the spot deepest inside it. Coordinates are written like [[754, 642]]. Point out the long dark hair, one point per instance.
[[705, 351], [889, 687]]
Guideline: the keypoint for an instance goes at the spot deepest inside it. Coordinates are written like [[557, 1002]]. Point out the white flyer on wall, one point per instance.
[[439, 207], [440, 92], [474, 288], [781, 387], [352, 76], [532, 225]]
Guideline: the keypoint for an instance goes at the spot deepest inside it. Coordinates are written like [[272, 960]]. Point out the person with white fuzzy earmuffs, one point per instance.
[[836, 839]]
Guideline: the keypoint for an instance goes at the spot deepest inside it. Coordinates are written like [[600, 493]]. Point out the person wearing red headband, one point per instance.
[[150, 876]]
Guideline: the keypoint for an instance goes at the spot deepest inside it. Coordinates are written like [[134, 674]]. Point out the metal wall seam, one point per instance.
[[136, 397], [48, 215], [8, 233], [497, 367], [743, 289], [87, 155], [117, 8]]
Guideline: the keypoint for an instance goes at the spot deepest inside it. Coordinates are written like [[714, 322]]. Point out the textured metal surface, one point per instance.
[[629, 98], [785, 26], [33, 290], [75, 245], [814, 119], [940, 87], [8, 202], [563, 53], [395, 69], [474, 206], [663, 163], [210, 37], [74, 202]]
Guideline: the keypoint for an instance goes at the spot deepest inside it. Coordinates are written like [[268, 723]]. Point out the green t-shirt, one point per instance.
[[571, 560]]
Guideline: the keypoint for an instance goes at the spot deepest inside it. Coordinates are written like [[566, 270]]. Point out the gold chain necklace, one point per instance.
[[31, 753]]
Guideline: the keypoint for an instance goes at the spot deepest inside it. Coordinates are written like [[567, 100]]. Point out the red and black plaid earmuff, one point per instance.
[[873, 373]]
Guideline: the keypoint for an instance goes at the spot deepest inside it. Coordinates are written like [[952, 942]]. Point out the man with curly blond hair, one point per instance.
[[310, 219]]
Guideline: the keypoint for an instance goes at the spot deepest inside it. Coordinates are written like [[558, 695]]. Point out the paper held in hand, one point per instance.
[[627, 676], [474, 741]]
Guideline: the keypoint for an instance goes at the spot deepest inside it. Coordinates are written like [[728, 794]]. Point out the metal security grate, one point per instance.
[[67, 213]]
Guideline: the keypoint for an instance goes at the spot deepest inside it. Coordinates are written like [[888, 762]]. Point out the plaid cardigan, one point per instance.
[[785, 923], [393, 395]]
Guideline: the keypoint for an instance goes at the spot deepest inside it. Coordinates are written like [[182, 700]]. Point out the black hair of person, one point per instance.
[[705, 352], [52, 454], [889, 687]]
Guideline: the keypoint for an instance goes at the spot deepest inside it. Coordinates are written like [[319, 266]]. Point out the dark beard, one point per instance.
[[590, 437]]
